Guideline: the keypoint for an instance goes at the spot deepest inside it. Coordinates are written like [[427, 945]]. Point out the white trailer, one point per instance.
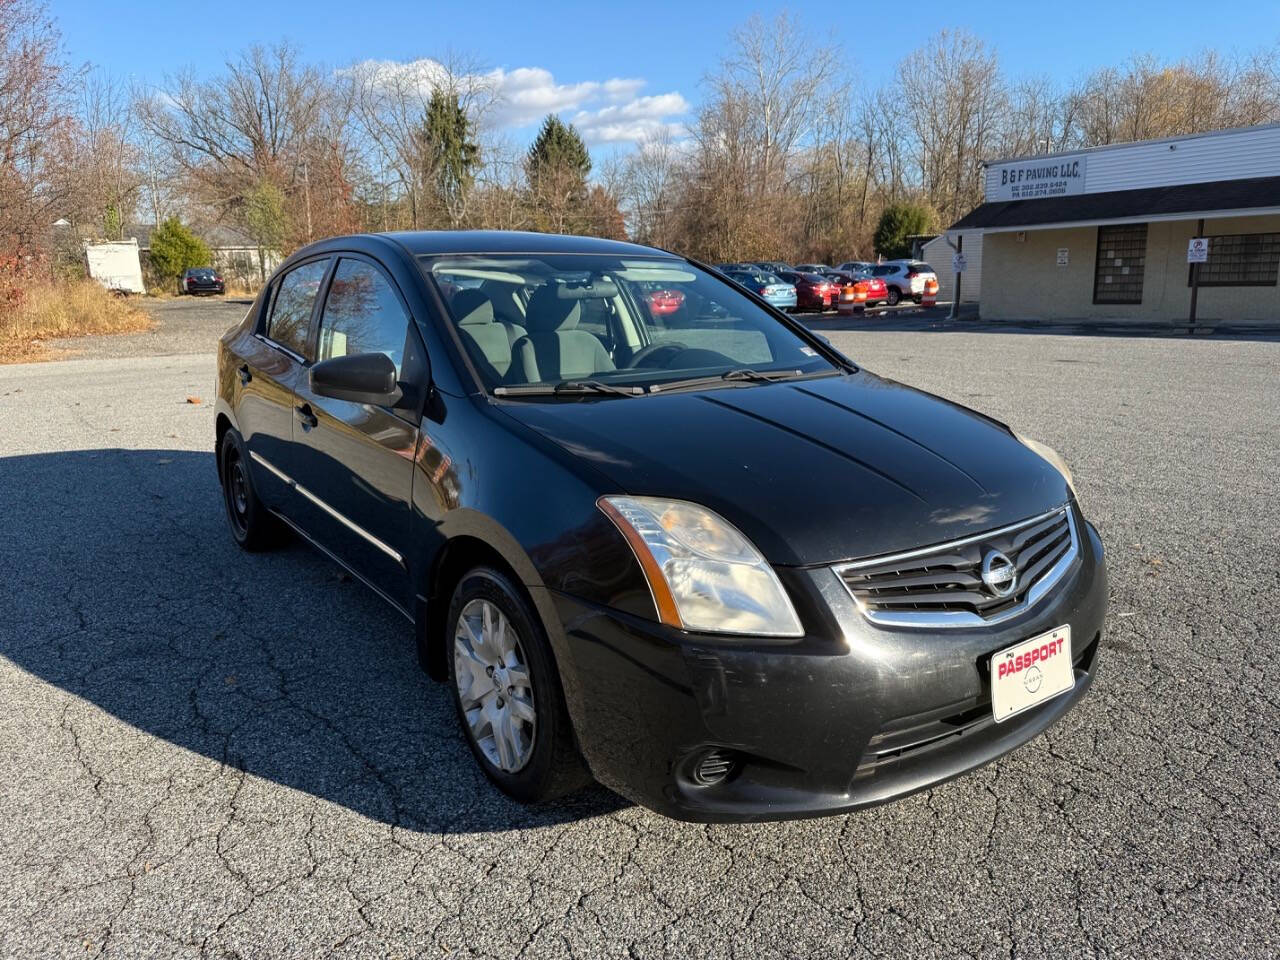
[[115, 265]]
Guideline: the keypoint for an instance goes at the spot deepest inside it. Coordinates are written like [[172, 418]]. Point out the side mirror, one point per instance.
[[359, 378]]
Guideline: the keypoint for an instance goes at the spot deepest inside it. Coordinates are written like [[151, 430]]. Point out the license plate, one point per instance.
[[1031, 672]]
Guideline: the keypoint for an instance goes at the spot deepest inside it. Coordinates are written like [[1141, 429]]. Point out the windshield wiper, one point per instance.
[[741, 373], [567, 388]]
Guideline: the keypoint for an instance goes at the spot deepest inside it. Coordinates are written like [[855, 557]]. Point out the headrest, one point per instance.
[[472, 308], [548, 311]]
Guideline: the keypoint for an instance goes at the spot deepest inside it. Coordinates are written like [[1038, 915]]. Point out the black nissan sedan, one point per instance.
[[694, 552]]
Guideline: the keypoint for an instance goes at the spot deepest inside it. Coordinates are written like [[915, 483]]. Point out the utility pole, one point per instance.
[[1195, 278], [958, 247], [306, 189]]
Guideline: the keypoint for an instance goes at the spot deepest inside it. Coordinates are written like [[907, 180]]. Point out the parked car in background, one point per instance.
[[663, 300], [904, 279], [877, 292], [200, 280], [768, 285], [811, 268], [723, 570], [856, 266], [813, 290], [773, 266]]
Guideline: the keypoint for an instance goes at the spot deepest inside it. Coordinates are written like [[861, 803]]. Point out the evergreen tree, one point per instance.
[[899, 221], [450, 155], [174, 248], [557, 166]]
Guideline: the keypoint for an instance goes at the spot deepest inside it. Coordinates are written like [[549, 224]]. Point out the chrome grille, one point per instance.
[[943, 585]]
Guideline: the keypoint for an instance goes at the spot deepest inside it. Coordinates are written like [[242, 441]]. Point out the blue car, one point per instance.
[[772, 288]]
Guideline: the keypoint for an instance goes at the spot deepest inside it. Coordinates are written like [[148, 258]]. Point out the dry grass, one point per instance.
[[46, 311]]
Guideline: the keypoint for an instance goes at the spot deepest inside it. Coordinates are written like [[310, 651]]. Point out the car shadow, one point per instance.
[[127, 591]]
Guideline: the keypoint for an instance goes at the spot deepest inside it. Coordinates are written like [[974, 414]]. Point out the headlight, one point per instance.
[[1052, 455], [704, 574]]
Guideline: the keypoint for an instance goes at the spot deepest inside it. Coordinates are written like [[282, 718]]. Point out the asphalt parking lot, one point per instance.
[[208, 753]]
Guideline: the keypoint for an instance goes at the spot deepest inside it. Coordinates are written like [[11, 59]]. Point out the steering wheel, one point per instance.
[[647, 353]]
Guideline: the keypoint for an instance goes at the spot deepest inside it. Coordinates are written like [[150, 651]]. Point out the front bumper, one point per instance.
[[850, 716]]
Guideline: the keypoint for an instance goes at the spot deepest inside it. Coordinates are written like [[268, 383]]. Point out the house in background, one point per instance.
[[242, 262]]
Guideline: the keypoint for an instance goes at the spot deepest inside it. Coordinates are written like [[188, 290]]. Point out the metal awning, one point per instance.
[[1184, 201]]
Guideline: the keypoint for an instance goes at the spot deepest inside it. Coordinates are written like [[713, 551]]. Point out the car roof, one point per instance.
[[431, 242]]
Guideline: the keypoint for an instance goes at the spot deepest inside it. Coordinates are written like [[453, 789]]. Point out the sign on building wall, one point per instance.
[[1033, 179], [1064, 256], [1198, 250]]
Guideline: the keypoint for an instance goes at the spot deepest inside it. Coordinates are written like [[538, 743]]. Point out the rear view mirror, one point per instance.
[[359, 378]]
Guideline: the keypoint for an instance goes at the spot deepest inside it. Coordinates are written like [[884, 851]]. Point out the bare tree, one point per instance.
[[392, 101], [953, 99], [257, 131], [106, 160], [35, 128], [650, 189]]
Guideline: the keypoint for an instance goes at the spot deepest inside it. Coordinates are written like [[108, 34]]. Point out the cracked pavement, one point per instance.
[[207, 753]]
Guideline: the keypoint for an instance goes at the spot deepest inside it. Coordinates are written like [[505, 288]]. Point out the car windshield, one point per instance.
[[557, 320]]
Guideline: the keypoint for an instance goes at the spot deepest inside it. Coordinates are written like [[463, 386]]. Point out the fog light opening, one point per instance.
[[714, 766]]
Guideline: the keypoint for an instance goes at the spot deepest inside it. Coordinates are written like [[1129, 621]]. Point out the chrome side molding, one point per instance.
[[337, 515]]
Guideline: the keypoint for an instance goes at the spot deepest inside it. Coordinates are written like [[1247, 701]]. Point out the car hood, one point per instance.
[[812, 471]]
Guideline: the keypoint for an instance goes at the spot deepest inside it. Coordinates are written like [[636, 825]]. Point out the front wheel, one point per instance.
[[507, 692]]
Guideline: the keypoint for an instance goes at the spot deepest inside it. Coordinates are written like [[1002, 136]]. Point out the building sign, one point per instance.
[[1034, 179], [1198, 250], [1064, 256]]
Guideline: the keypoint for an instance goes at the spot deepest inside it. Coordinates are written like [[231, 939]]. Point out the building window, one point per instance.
[[1122, 255], [1241, 260]]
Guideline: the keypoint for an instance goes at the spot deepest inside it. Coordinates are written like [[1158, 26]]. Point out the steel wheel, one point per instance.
[[238, 491], [494, 687]]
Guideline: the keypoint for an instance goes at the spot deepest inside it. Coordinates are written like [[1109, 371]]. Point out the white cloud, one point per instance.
[[528, 94], [620, 88], [632, 121], [606, 111]]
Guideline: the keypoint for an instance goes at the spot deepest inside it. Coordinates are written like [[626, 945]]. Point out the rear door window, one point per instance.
[[362, 314], [291, 309]]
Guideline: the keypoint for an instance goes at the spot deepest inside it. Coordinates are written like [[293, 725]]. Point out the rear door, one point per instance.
[[272, 363], [353, 462]]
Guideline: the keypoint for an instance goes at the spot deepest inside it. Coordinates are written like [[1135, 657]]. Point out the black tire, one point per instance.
[[894, 296], [554, 767], [252, 526]]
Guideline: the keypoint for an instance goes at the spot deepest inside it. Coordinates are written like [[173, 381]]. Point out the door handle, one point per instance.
[[245, 375], [307, 416]]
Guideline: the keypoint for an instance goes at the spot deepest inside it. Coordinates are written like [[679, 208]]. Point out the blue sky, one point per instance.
[[564, 55]]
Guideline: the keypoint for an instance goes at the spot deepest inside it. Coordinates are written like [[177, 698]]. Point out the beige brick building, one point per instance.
[[1104, 233]]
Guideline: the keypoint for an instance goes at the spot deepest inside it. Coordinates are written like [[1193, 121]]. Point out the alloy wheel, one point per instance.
[[494, 686]]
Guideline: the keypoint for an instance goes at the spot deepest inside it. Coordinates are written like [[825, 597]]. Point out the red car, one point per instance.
[[877, 291], [813, 291], [664, 302]]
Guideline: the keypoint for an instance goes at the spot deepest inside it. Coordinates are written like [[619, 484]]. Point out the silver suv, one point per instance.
[[904, 279]]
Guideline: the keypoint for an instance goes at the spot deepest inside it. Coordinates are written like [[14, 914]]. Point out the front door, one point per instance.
[[353, 462], [270, 369]]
